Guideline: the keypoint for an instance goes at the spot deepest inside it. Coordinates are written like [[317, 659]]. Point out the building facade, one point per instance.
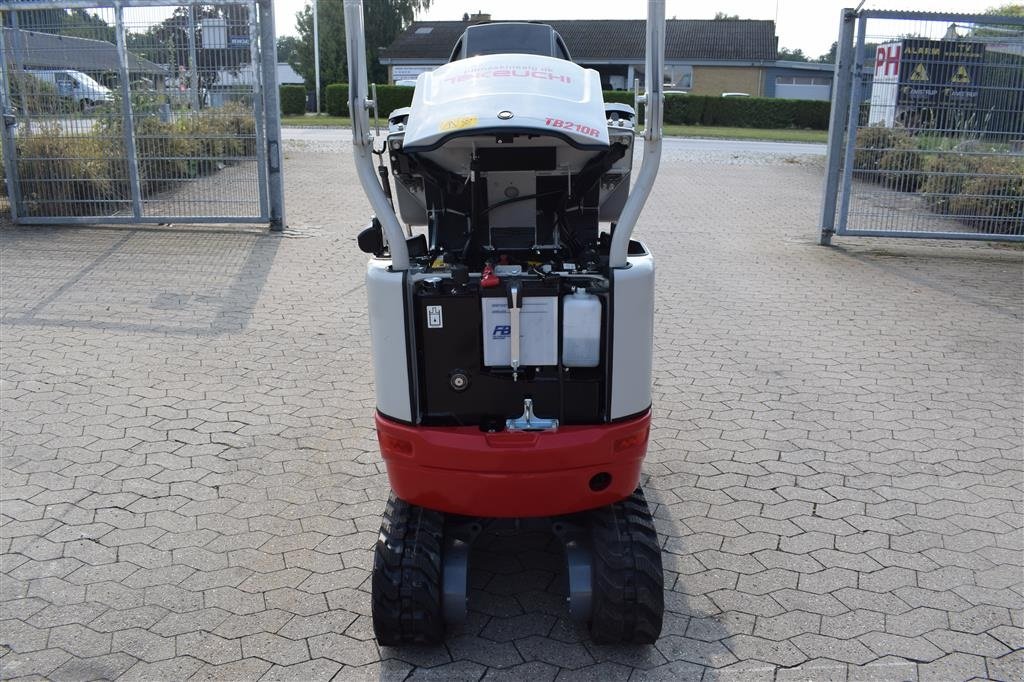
[[702, 57]]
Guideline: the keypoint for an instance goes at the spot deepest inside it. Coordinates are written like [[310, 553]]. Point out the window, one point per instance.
[[678, 77], [802, 80]]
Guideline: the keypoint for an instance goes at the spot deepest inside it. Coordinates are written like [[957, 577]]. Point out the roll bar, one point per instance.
[[653, 98], [359, 104]]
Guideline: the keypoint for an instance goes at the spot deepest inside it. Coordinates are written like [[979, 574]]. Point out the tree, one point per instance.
[[722, 16], [168, 42], [286, 47], [1013, 9], [383, 21], [789, 55], [995, 29], [830, 56], [77, 23]]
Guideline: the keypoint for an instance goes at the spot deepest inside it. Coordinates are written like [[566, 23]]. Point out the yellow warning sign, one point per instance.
[[960, 76], [919, 74]]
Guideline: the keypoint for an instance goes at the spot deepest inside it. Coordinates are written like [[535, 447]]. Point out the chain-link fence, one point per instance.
[[139, 111], [927, 136]]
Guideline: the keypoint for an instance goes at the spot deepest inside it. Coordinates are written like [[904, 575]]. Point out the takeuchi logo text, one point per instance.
[[508, 72]]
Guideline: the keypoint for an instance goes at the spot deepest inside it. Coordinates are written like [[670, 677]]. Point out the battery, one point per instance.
[[538, 331]]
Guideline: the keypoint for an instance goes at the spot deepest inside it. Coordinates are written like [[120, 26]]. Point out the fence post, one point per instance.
[[127, 112], [193, 69], [841, 83], [272, 110], [9, 149], [257, 109], [852, 123]]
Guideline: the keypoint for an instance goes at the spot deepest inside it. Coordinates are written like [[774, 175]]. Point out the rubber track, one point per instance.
[[628, 589], [406, 600]]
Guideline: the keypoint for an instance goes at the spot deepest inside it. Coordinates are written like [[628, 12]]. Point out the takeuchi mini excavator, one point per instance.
[[511, 318]]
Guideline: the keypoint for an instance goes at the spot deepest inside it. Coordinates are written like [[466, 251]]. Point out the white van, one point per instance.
[[75, 86]]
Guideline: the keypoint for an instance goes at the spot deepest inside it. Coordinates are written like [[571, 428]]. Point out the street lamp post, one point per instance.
[[316, 54]]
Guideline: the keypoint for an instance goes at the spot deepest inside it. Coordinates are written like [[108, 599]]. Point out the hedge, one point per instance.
[[977, 183], [336, 99], [293, 100], [57, 163], [680, 109]]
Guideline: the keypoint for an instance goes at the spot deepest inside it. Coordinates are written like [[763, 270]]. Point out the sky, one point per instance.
[[810, 25]]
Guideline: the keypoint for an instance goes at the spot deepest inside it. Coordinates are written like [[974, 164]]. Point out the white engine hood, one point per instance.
[[493, 93]]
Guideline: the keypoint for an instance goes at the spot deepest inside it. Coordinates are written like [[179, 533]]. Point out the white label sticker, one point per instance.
[[434, 319]]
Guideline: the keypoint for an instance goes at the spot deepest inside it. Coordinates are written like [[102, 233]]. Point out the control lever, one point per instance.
[[514, 308]]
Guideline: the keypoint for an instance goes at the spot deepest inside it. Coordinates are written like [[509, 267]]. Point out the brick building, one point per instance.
[[702, 57]]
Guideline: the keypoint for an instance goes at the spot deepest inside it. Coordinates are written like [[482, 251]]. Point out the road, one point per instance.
[[677, 144]]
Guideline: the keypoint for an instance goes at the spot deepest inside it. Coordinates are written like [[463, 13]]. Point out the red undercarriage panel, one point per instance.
[[462, 470]]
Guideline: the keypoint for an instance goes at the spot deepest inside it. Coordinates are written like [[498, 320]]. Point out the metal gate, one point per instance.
[[927, 131], [140, 111]]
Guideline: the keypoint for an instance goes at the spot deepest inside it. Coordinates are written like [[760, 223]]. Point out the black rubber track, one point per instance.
[[628, 583], [406, 600]]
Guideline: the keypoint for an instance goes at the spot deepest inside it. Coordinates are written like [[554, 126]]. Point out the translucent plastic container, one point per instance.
[[581, 330]]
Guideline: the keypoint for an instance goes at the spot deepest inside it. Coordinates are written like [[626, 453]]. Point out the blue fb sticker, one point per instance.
[[502, 331]]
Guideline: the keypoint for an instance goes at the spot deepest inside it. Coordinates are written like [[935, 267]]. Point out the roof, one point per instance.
[[592, 40], [286, 75], [36, 50]]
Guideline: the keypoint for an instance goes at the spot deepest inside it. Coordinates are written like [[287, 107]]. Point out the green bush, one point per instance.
[[36, 96], [871, 145], [900, 167], [992, 197], [391, 97], [90, 167], [293, 100], [336, 96], [737, 112], [69, 175]]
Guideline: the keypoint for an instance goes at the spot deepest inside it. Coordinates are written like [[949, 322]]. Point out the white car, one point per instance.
[[75, 86]]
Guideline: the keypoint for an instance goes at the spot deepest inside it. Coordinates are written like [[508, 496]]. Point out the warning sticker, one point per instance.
[[458, 123], [919, 74], [434, 318], [961, 76]]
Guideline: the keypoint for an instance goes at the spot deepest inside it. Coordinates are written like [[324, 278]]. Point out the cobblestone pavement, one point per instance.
[[191, 485]]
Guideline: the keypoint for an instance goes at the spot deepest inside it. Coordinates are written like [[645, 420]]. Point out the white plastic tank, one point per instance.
[[581, 330]]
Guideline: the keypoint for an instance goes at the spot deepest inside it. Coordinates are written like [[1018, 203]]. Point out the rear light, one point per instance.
[[390, 445], [634, 440]]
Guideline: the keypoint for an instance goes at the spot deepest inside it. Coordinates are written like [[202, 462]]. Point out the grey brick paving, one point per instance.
[[191, 484]]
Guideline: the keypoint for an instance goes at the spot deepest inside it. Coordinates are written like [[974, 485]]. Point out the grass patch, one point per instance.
[[321, 121], [776, 135], [781, 135]]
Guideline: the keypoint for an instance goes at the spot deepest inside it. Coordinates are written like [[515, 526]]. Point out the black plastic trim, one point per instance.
[[504, 130]]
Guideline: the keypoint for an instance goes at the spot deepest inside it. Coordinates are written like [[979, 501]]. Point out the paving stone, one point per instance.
[[953, 666], [914, 648], [787, 625], [80, 641], [1008, 667], [339, 647], [781, 653], [106, 667], [276, 649], [180, 668], [245, 669], [35, 663], [916, 622], [208, 647], [818, 670], [831, 474], [21, 637], [845, 650], [884, 669]]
